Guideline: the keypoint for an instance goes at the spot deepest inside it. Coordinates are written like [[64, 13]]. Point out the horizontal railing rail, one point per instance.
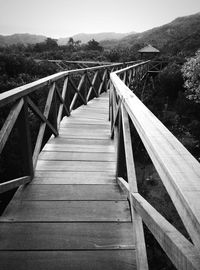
[[61, 93], [177, 168]]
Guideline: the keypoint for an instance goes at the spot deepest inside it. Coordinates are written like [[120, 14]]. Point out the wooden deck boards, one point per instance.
[[73, 214]]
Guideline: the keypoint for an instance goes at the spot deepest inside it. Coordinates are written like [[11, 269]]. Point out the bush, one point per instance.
[[191, 74]]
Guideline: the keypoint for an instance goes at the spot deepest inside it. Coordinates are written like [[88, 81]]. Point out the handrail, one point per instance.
[[177, 168], [12, 95], [66, 91]]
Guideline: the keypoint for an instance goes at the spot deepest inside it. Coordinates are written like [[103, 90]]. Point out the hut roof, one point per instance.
[[149, 49]]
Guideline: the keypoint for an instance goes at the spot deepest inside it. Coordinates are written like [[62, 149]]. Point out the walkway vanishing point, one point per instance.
[[73, 209]]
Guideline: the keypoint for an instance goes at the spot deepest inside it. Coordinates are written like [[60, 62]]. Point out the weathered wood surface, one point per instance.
[[73, 214], [181, 251], [70, 260], [178, 169]]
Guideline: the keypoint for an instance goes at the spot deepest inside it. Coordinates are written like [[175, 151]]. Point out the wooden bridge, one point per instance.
[[73, 209]]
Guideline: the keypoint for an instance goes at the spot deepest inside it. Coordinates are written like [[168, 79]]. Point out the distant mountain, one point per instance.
[[84, 38], [181, 34], [33, 39], [21, 38]]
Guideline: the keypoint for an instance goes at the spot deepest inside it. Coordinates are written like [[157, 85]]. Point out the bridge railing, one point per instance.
[[61, 93], [177, 168]]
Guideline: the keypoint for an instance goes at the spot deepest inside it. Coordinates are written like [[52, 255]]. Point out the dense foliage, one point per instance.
[[16, 70], [191, 74]]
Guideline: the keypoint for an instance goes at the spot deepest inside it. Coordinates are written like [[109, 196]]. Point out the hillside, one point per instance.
[[21, 38], [33, 39], [84, 38], [182, 34], [179, 37]]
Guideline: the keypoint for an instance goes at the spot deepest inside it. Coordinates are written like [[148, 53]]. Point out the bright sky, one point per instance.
[[63, 18]]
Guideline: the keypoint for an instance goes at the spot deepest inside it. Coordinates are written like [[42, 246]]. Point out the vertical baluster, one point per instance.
[[132, 180], [25, 140], [120, 165], [43, 125], [64, 97]]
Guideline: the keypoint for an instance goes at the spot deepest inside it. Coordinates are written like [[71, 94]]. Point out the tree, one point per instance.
[[171, 82], [94, 46], [51, 44], [191, 74]]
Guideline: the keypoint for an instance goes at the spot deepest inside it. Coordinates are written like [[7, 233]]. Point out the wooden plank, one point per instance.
[[88, 134], [90, 115], [77, 178], [65, 236], [77, 141], [79, 148], [85, 130], [70, 260], [104, 126], [67, 211], [72, 193], [46, 155], [84, 166], [76, 120], [73, 181], [8, 185], [86, 124], [60, 165]]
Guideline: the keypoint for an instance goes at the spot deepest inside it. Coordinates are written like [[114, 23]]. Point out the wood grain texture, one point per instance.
[[178, 169], [68, 211], [84, 156], [84, 166], [9, 123], [70, 260], [73, 193], [14, 183], [77, 178], [182, 253], [73, 214], [65, 236]]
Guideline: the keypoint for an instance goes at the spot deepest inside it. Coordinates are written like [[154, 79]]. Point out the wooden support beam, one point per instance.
[[92, 84], [43, 125], [177, 168], [103, 82], [116, 112], [6, 186], [9, 123], [41, 116], [77, 90], [62, 100], [25, 140], [182, 253]]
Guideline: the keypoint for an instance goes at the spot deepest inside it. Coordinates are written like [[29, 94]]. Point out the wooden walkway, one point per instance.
[[73, 214]]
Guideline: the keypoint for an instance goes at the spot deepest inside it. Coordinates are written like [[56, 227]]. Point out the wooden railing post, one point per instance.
[[25, 140], [120, 166], [131, 176]]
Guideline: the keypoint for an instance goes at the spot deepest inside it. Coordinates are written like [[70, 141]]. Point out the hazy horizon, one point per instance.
[[65, 18]]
